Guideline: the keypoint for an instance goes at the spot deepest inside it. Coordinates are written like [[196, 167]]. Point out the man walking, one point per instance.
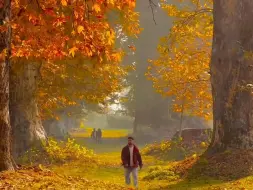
[[131, 159]]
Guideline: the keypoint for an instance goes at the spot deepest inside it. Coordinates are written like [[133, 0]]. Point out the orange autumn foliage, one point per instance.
[[75, 43], [54, 30]]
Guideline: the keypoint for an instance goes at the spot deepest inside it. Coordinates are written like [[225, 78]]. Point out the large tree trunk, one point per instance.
[[25, 120], [5, 128], [232, 75]]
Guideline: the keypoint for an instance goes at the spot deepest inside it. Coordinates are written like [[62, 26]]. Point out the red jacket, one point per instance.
[[125, 157]]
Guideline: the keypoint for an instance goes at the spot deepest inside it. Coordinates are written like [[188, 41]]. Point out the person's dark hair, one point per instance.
[[130, 138]]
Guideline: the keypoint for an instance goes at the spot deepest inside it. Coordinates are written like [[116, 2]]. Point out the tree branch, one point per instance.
[[152, 5]]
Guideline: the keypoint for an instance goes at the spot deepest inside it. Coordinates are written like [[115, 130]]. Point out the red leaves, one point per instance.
[[49, 11], [100, 16], [59, 21]]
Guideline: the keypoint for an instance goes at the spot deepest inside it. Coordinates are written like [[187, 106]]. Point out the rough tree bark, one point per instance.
[[232, 75], [27, 129], [5, 128]]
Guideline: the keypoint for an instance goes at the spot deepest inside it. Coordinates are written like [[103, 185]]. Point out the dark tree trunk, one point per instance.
[[232, 75], [5, 128], [26, 123]]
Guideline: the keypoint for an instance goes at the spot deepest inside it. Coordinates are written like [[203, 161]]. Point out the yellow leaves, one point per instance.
[[80, 29], [64, 2], [66, 151], [73, 32], [171, 9], [72, 51], [117, 57], [110, 36], [248, 55], [4, 51], [131, 23], [203, 144], [96, 8], [184, 61], [111, 2]]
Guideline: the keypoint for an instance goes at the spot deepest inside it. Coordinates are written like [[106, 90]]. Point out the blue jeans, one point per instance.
[[134, 172]]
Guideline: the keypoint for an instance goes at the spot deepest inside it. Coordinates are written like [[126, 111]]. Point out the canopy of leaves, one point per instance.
[[75, 44], [182, 70], [52, 30]]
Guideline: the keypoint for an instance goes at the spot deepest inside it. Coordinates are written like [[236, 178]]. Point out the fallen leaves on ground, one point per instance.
[[38, 178], [228, 165], [182, 167], [223, 166]]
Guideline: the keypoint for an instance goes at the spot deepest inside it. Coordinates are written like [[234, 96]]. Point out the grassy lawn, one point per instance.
[[106, 133], [106, 172], [106, 145], [115, 174], [113, 140], [109, 150]]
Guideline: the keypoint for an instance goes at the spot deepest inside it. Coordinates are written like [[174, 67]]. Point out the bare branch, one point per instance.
[[152, 5]]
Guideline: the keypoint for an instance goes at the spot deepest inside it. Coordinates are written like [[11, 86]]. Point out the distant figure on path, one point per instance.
[[131, 159], [99, 135], [94, 134]]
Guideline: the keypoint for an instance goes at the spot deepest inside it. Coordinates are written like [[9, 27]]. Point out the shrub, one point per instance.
[[174, 150], [161, 173], [67, 151], [58, 152]]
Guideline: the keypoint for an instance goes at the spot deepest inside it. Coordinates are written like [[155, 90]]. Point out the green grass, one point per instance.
[[116, 175], [112, 139], [109, 150], [106, 133], [106, 145], [109, 174], [211, 184]]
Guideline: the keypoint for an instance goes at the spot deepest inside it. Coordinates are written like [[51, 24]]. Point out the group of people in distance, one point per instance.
[[96, 135]]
